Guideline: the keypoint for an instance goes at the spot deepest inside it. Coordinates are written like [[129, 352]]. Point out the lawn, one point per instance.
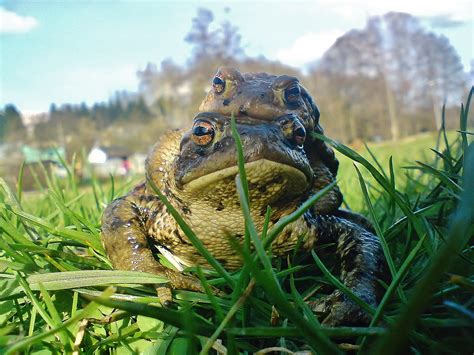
[[404, 155], [58, 293]]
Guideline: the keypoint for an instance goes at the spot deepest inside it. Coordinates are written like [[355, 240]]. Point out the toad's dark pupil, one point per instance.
[[201, 131], [219, 85], [292, 94], [218, 81]]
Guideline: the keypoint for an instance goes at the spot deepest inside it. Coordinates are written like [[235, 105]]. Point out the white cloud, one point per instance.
[[308, 47], [460, 10], [11, 22]]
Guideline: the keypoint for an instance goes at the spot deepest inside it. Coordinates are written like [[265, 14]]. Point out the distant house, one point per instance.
[[39, 164], [113, 160], [41, 155], [51, 158]]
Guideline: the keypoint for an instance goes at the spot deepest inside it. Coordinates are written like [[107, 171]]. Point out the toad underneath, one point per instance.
[[285, 164]]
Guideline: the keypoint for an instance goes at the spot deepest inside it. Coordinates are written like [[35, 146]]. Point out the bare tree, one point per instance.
[[401, 64]]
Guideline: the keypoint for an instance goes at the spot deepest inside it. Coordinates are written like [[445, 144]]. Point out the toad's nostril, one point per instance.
[[292, 129], [299, 135]]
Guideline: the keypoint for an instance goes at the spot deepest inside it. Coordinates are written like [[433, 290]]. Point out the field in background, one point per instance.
[[404, 153]]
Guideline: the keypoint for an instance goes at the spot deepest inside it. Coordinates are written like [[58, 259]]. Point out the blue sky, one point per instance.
[[74, 51]]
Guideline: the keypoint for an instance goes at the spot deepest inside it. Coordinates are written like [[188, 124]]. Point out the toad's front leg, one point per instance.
[[362, 264], [126, 243]]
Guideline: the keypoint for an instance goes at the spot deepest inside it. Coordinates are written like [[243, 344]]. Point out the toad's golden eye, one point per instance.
[[203, 133], [218, 84], [292, 95]]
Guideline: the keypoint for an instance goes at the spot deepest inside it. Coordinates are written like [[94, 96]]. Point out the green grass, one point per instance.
[[58, 293], [404, 154]]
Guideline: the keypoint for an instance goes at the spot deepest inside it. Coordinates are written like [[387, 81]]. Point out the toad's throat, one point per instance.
[[259, 173]]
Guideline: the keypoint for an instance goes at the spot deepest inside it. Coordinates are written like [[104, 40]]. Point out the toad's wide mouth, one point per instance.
[[262, 173]]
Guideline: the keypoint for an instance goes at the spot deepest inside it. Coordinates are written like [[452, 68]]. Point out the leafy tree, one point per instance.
[[138, 111], [11, 124]]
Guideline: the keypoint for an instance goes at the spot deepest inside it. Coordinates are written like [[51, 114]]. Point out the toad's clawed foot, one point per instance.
[[183, 282], [180, 281], [336, 310]]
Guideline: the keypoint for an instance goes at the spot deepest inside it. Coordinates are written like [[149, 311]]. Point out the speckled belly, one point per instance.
[[167, 234]]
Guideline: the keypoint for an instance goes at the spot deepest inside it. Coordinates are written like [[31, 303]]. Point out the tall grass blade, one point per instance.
[[83, 278], [380, 234]]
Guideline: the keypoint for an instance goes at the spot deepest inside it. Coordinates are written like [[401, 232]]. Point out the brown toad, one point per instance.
[[196, 171]]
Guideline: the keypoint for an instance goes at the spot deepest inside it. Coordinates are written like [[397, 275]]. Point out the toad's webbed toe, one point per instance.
[[337, 309]]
